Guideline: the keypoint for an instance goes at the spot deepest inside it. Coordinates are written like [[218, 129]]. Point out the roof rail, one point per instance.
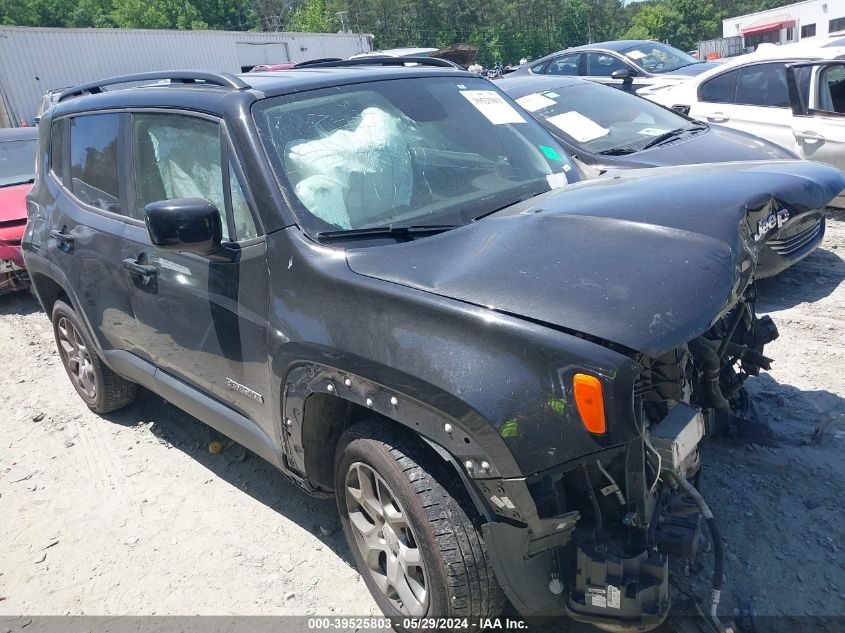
[[322, 60], [387, 60], [224, 80]]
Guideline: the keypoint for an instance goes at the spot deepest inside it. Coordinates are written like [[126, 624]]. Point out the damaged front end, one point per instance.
[[608, 523], [657, 268]]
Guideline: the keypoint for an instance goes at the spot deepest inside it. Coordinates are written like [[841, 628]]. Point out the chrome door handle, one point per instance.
[[144, 270], [717, 117], [61, 236]]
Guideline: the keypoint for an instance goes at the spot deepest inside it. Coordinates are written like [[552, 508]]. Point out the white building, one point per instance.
[[35, 60], [794, 22]]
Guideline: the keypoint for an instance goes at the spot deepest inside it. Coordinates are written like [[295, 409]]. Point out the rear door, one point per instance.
[[753, 98], [201, 319], [88, 218]]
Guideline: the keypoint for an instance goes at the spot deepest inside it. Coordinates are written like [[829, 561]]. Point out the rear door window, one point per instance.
[[763, 85], [566, 65], [720, 89], [94, 161]]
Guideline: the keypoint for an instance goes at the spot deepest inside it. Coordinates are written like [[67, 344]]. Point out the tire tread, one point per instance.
[[473, 590]]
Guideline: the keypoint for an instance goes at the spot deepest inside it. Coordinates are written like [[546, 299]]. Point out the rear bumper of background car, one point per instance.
[[10, 255], [13, 275]]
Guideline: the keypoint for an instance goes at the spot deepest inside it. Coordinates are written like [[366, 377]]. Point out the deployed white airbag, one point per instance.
[[354, 177]]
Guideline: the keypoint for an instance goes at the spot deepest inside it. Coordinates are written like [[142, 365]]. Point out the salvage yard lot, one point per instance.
[[131, 513]]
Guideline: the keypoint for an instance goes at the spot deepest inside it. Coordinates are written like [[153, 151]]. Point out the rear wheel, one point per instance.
[[413, 533], [100, 388]]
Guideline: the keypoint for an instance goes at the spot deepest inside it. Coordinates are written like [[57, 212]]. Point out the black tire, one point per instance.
[[445, 526], [107, 391]]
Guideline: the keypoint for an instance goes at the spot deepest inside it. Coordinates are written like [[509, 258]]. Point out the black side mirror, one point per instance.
[[184, 225], [625, 74]]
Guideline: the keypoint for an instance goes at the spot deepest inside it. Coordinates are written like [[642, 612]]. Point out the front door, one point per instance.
[[600, 67], [201, 319], [819, 108]]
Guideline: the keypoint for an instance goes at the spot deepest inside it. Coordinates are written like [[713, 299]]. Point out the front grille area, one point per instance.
[[798, 244]]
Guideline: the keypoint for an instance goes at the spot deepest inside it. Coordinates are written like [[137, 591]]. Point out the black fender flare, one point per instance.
[[458, 430]]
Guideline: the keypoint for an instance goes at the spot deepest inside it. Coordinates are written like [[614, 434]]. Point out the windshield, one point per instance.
[[654, 57], [17, 162], [600, 119], [423, 151]]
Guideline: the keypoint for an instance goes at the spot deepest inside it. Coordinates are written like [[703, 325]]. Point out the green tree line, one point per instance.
[[505, 30]]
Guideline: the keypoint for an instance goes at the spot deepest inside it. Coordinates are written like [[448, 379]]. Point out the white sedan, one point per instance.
[[792, 95]]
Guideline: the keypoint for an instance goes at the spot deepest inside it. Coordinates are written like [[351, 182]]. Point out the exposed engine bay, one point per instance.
[[639, 507]]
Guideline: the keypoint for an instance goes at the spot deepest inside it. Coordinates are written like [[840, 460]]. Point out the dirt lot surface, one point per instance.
[[131, 514]]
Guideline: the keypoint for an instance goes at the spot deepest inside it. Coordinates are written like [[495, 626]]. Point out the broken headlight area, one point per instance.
[[607, 524], [710, 370]]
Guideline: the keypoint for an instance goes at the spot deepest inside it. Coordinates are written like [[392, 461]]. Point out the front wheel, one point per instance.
[[413, 532]]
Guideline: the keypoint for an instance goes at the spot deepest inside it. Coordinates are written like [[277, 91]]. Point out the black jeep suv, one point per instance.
[[385, 281]]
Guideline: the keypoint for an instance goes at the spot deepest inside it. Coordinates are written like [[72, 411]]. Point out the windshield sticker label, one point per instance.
[[551, 95], [652, 131], [614, 597], [556, 181], [550, 153], [635, 54], [493, 106], [578, 126], [534, 102]]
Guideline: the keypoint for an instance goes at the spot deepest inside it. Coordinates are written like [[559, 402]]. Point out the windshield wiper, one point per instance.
[[392, 230], [672, 134], [618, 151], [502, 207]]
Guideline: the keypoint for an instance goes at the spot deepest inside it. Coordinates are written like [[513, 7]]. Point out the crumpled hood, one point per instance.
[[647, 261]]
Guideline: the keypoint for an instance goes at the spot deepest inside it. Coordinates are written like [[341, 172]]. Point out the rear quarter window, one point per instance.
[[57, 148], [719, 89]]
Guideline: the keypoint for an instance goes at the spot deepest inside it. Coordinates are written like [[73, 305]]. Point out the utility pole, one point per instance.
[[341, 15]]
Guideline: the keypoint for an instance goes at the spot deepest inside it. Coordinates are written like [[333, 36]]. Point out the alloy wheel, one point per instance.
[[386, 540], [77, 358]]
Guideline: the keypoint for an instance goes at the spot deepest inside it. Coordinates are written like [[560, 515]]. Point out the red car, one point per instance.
[[17, 172]]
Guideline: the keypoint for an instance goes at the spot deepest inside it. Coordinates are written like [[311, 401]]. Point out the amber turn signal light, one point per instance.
[[590, 402]]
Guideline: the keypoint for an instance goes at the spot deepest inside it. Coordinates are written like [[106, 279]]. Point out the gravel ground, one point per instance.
[[130, 513]]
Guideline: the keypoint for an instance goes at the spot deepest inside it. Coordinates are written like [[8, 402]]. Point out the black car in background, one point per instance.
[[610, 130], [385, 281], [626, 64]]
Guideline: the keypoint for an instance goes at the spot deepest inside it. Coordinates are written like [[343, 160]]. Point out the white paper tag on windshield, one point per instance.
[[578, 126], [491, 105], [534, 102], [653, 131], [635, 54], [556, 181]]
